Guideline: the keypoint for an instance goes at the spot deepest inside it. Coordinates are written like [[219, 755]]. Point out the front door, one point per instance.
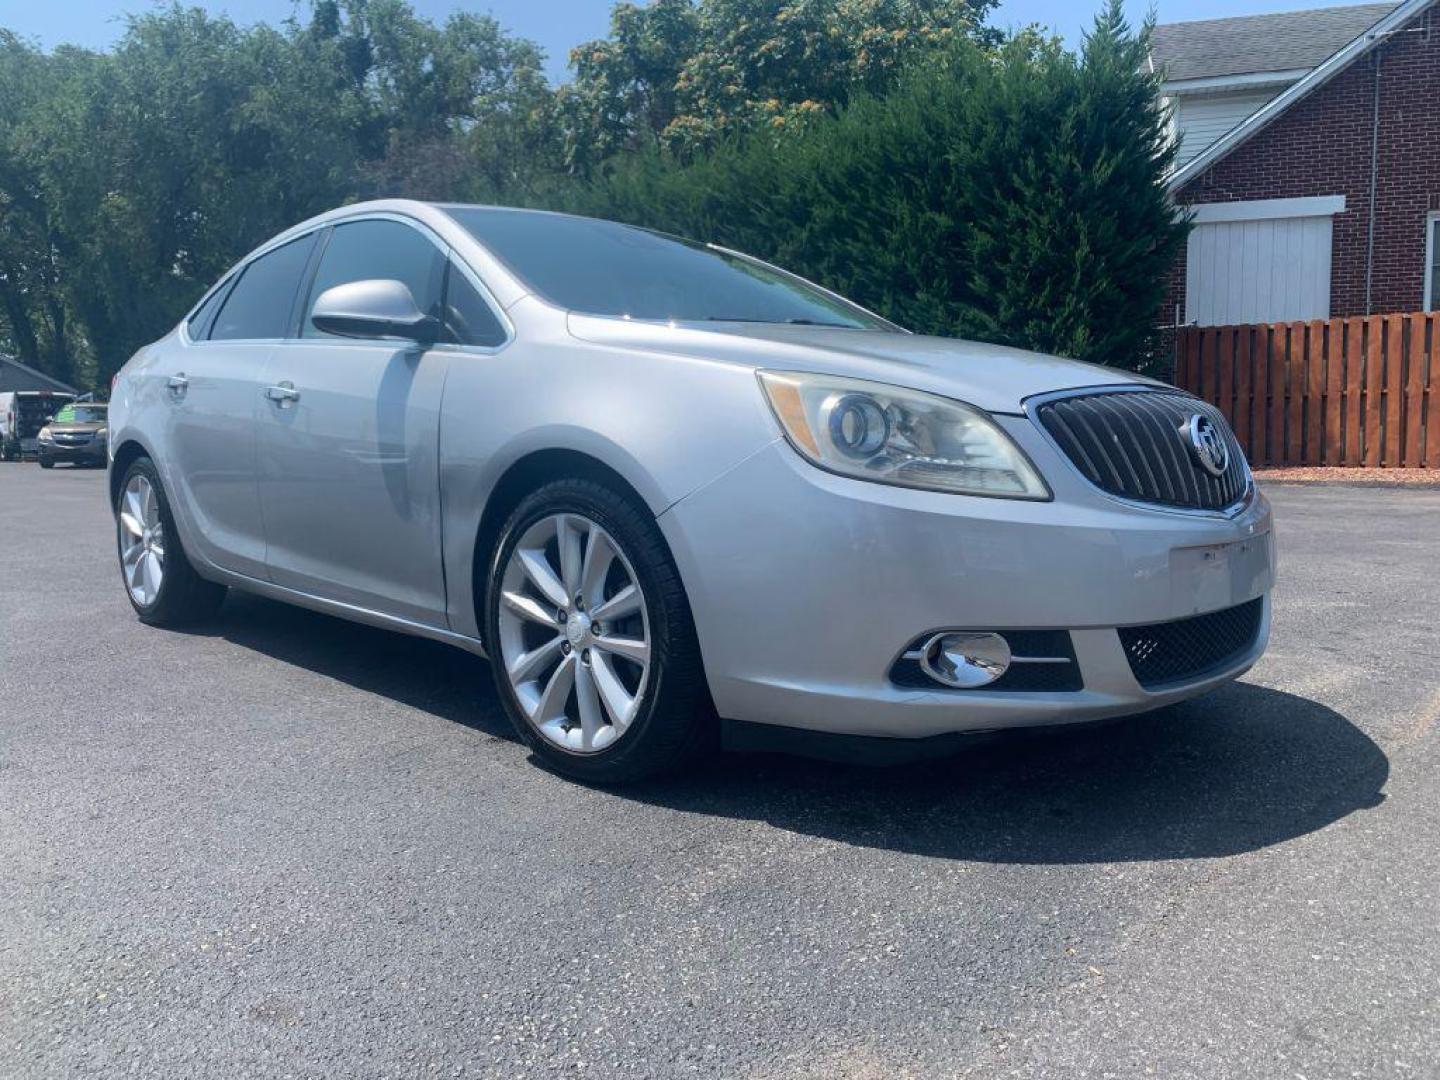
[[349, 441]]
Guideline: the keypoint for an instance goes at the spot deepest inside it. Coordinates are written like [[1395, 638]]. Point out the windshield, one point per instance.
[[603, 268], [81, 414]]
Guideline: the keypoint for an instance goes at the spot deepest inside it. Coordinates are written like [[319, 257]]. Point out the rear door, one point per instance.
[[349, 439], [212, 395]]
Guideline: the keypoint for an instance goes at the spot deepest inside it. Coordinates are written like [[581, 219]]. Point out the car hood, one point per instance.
[[75, 428], [992, 377]]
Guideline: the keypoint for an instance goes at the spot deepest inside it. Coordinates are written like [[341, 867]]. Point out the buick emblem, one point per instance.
[[1207, 444]]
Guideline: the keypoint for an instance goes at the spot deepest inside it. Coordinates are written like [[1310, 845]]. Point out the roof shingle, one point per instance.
[[1257, 43]]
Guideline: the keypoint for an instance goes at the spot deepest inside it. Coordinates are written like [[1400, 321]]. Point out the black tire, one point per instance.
[[46, 463], [184, 597], [675, 723]]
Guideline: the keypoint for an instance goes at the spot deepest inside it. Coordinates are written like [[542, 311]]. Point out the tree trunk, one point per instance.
[[17, 314]]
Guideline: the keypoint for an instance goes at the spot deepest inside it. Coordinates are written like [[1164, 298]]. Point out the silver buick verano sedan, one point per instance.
[[671, 490]]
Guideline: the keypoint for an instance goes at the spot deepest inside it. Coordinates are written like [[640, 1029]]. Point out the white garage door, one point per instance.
[[1260, 262]]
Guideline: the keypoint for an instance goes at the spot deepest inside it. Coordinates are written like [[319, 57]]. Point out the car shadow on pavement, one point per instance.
[[1240, 769], [441, 680]]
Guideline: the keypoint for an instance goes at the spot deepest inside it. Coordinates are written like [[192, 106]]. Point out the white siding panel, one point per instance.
[[1258, 271], [1199, 121]]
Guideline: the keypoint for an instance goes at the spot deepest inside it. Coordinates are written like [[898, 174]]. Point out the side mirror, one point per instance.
[[370, 309]]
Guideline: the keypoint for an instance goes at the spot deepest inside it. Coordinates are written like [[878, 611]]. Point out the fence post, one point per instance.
[[1241, 420], [1334, 391], [1354, 390], [1374, 390]]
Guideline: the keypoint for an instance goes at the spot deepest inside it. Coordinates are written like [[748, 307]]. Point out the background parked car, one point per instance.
[[25, 412], [76, 434]]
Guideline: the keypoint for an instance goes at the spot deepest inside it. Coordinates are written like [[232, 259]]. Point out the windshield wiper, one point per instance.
[[776, 322]]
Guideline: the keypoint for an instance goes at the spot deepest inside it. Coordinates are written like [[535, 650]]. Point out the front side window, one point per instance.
[[260, 304], [604, 268], [1432, 263], [379, 250]]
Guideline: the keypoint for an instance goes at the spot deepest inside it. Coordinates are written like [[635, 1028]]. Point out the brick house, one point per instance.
[[1322, 197]]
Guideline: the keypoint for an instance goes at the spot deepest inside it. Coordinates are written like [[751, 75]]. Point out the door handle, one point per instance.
[[283, 393], [178, 384]]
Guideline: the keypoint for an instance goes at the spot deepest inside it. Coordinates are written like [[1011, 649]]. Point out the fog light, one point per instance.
[[965, 660]]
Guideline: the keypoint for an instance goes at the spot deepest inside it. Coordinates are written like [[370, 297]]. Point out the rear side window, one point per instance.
[[469, 320], [260, 304], [199, 324], [379, 249]]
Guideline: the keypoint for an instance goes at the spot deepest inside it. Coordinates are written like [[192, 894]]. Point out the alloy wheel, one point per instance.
[[142, 540], [574, 633]]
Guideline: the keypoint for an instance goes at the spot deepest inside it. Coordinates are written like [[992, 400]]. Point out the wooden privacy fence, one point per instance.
[[1358, 391]]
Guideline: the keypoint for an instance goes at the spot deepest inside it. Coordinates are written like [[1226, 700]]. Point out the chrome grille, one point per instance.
[[1133, 444]]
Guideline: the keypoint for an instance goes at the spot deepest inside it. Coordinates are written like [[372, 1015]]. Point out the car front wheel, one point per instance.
[[591, 638], [163, 587]]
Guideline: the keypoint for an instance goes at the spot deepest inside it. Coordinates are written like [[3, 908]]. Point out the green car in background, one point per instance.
[[77, 434]]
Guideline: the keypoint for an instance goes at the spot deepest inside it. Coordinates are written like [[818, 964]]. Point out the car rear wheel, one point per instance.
[[163, 587], [591, 638]]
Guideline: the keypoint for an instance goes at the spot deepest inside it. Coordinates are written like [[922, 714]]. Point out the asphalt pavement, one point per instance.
[[288, 846]]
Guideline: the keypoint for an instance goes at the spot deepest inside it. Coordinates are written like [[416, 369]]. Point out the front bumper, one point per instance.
[[805, 586], [90, 453]]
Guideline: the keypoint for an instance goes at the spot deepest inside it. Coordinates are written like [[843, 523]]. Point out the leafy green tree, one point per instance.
[[625, 89], [165, 159], [779, 62], [130, 180], [462, 105], [686, 73], [33, 313]]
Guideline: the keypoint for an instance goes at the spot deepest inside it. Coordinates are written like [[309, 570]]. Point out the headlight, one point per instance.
[[102, 434], [45, 435], [895, 436]]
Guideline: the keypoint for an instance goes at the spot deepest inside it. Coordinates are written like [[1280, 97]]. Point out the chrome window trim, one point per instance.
[[447, 251], [1031, 405]]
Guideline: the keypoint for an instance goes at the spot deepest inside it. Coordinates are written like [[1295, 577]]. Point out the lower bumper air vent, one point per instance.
[[1189, 649]]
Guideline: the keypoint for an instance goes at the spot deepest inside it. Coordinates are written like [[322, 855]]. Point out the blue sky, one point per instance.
[[559, 24]]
